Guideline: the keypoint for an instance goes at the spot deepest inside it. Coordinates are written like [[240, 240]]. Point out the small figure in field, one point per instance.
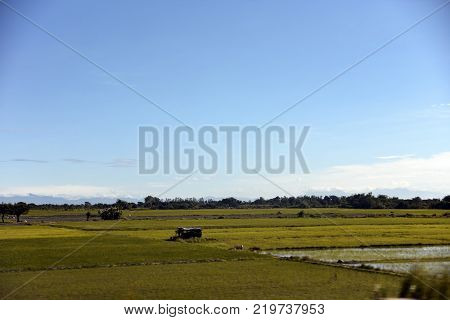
[[88, 215]]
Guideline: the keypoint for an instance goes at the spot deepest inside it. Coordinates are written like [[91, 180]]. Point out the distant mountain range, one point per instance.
[[37, 199]]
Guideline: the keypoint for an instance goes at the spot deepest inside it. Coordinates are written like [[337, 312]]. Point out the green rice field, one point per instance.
[[50, 257]]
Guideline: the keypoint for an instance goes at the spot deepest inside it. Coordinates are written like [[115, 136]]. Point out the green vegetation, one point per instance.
[[129, 259], [162, 224], [339, 212], [289, 233], [104, 250], [355, 201], [425, 287], [254, 279]]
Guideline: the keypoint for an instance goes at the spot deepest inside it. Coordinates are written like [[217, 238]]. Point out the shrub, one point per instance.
[[110, 214], [424, 287]]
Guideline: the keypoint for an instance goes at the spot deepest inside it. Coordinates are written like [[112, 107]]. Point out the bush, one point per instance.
[[110, 214], [425, 287]]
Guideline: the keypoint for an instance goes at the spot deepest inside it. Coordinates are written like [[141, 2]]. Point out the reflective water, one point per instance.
[[427, 266], [397, 259]]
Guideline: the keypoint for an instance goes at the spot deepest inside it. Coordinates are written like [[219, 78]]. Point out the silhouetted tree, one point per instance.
[[110, 214], [19, 209], [122, 205], [152, 202], [5, 208]]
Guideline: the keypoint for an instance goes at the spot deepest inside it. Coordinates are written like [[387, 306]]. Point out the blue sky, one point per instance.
[[223, 62]]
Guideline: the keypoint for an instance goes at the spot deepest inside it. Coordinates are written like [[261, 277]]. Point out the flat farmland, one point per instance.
[[133, 259], [202, 213]]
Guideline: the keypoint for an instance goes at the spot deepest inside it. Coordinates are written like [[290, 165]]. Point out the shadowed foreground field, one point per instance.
[[133, 259], [254, 279]]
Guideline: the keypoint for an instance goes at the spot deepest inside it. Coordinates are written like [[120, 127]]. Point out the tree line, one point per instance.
[[355, 201]]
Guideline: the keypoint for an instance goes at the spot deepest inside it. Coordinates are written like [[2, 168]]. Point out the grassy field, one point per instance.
[[341, 212], [249, 279], [132, 259], [287, 233]]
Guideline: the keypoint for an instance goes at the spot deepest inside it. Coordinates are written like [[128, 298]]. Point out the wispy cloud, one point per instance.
[[395, 157], [122, 163], [71, 192], [74, 160], [442, 110], [27, 160], [441, 105], [436, 111], [115, 163]]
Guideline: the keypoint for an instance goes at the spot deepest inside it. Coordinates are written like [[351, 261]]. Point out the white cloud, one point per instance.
[[395, 157], [403, 177], [122, 163], [71, 192], [440, 111], [417, 174]]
